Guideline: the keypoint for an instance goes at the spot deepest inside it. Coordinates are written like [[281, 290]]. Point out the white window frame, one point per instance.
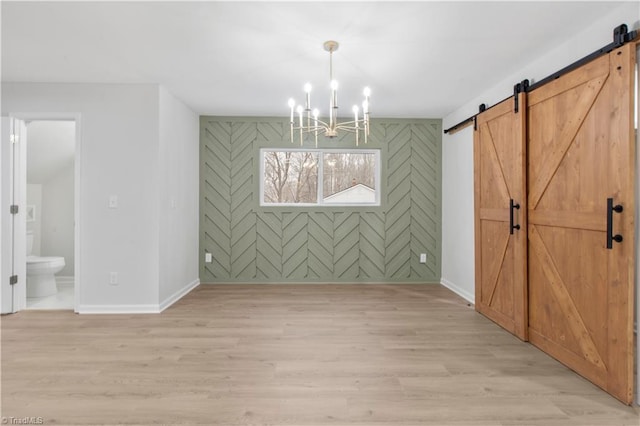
[[321, 152]]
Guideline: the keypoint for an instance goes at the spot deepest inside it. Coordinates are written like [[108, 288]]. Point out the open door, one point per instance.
[[581, 220], [13, 169], [500, 215]]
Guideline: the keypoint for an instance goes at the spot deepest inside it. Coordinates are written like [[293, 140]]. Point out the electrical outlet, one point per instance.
[[423, 257], [113, 278], [208, 258]]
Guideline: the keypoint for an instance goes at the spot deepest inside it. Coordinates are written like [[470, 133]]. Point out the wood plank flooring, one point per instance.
[[291, 355]]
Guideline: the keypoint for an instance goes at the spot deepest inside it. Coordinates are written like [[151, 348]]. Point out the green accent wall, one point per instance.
[[250, 243]]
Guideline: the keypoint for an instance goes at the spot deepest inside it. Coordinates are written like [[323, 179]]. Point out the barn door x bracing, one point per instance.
[[581, 220], [564, 280], [500, 215]]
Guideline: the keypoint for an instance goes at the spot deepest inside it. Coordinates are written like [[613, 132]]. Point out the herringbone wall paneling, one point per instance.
[[250, 243]]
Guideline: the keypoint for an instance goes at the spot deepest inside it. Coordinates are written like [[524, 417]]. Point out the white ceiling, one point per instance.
[[421, 59]]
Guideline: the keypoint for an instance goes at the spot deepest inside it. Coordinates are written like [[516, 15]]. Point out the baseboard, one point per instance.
[[119, 309], [322, 283], [457, 290], [139, 309], [65, 280], [179, 294]]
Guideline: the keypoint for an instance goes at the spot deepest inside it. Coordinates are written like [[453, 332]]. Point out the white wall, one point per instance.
[[178, 198], [458, 271], [457, 149], [57, 218], [141, 144], [119, 138], [34, 198]]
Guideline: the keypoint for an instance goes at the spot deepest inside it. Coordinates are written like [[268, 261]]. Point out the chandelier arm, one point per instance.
[[320, 125], [349, 129], [350, 123], [330, 129]]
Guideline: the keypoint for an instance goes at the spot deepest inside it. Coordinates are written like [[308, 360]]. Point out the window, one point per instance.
[[312, 177]]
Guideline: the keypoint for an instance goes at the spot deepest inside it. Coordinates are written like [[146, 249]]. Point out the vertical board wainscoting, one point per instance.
[[253, 243]]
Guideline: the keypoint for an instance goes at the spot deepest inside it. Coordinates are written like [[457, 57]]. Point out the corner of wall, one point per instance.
[[178, 197]]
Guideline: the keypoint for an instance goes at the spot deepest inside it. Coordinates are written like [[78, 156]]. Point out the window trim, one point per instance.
[[321, 152]]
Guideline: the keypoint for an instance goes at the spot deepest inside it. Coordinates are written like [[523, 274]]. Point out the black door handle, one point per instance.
[[512, 206], [610, 209]]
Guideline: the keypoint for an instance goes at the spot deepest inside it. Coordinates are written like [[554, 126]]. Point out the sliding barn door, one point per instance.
[[500, 215], [581, 220]]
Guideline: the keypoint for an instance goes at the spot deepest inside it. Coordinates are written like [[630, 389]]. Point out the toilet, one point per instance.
[[41, 280]]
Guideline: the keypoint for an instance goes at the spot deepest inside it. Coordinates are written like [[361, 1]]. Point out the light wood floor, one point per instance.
[[294, 355]]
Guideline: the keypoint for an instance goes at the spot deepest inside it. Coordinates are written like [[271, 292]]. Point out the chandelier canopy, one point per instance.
[[308, 121]]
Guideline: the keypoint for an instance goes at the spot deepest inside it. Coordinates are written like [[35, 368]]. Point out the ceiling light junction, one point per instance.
[[314, 125]]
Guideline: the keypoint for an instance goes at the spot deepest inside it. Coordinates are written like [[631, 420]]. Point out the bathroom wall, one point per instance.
[[50, 188], [34, 198], [57, 218]]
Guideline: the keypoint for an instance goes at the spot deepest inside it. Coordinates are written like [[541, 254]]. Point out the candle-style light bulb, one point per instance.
[[300, 111], [292, 104], [357, 125], [365, 112], [315, 118], [307, 90]]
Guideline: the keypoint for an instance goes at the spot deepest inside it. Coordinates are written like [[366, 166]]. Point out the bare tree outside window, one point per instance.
[[346, 177], [290, 176]]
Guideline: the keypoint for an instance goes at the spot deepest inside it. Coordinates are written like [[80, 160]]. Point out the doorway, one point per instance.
[[43, 181], [49, 212]]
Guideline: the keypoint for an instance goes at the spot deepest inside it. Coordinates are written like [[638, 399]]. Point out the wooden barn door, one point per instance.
[[500, 215], [581, 220]]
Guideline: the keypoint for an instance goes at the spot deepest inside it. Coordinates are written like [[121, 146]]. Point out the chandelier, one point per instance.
[[308, 121]]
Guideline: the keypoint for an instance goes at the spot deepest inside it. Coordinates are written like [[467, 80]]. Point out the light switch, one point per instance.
[[423, 257], [208, 257], [113, 202]]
